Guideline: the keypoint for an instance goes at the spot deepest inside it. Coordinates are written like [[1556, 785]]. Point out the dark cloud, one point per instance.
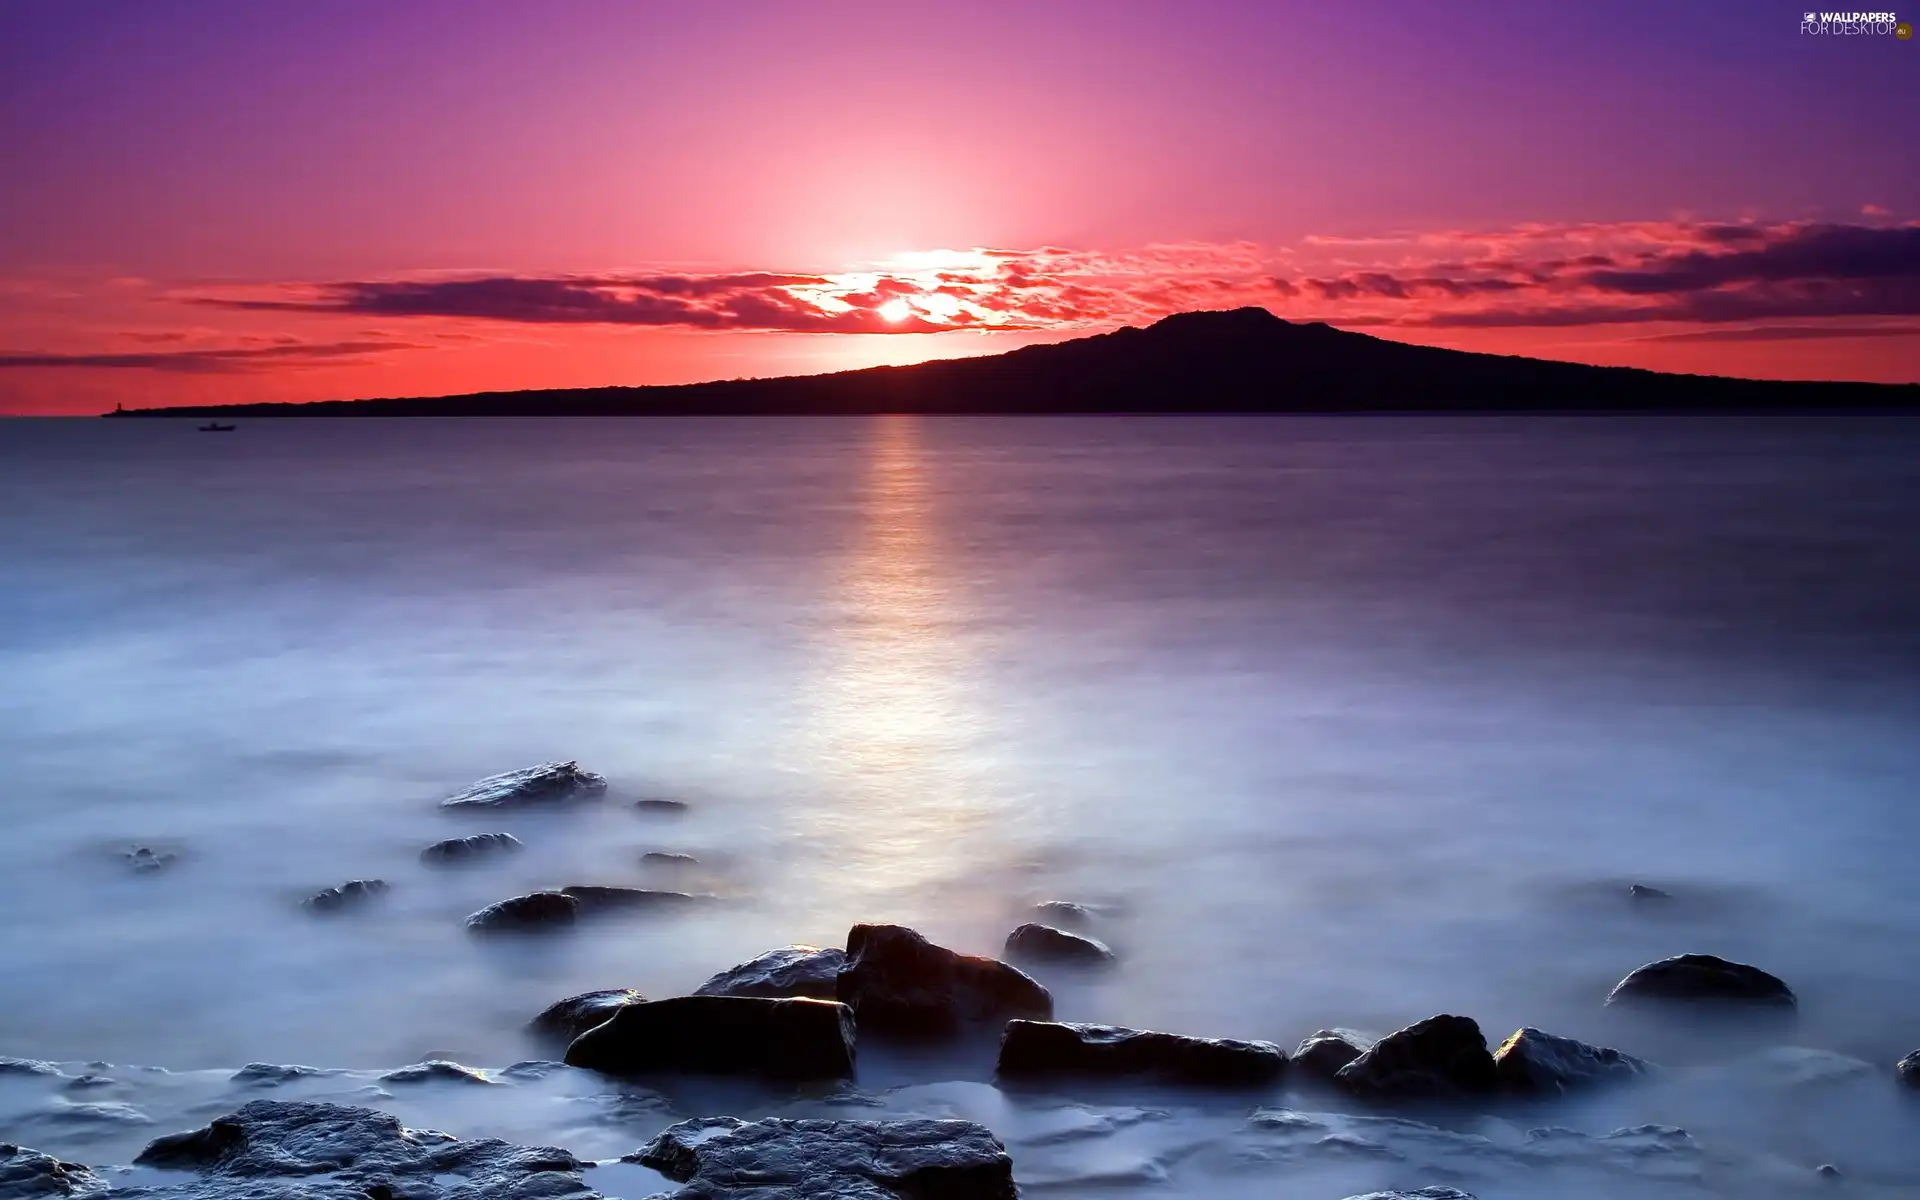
[[1804, 253], [210, 361], [1786, 333]]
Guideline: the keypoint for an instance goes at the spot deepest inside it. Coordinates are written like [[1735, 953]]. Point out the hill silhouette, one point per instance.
[[1243, 361]]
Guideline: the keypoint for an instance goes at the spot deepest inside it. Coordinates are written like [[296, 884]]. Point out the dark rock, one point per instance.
[[89, 1082], [272, 1148], [436, 1069], [535, 910], [1702, 977], [1827, 1171], [531, 1068], [471, 848], [145, 859], [898, 982], [724, 1035], [660, 808], [1438, 1057], [1642, 892], [1532, 1061], [1043, 943], [1908, 1069], [350, 894], [273, 1075], [1323, 1053], [1065, 914], [595, 898], [27, 1174], [780, 1159], [27, 1066], [548, 783], [660, 858], [1049, 1048], [778, 974], [1425, 1193], [565, 1020]]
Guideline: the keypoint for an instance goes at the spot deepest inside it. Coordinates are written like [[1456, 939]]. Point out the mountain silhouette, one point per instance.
[[1243, 361]]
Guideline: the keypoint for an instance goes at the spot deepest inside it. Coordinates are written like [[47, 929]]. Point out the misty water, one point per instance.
[[1347, 721]]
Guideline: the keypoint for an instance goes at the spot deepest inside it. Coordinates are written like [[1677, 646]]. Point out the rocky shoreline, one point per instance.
[[802, 1013]]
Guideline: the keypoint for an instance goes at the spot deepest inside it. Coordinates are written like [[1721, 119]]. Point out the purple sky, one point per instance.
[[213, 200]]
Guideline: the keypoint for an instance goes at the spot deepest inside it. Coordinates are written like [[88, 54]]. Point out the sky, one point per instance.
[[207, 201]]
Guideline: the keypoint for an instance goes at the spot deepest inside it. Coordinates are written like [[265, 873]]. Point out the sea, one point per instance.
[[1337, 721]]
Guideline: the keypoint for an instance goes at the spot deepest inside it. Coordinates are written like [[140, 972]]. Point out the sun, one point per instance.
[[894, 311]]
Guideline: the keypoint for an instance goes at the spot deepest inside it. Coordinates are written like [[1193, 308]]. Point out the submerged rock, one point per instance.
[[661, 858], [26, 1066], [436, 1069], [1532, 1061], [898, 982], [533, 911], [724, 1035], [600, 898], [471, 848], [1645, 894], [274, 1074], [660, 808], [350, 894], [1325, 1051], [1049, 1047], [780, 1159], [1065, 914], [145, 859], [1908, 1069], [783, 973], [27, 1174], [1438, 1057], [548, 783], [1044, 943], [1703, 977], [1425, 1193], [564, 1020], [272, 1148]]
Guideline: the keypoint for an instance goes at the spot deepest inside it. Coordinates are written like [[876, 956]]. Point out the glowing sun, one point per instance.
[[894, 311]]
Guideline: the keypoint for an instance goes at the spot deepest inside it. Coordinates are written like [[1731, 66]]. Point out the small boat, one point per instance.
[[217, 427]]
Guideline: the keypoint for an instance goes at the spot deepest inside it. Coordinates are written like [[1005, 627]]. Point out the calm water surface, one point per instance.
[[1351, 721]]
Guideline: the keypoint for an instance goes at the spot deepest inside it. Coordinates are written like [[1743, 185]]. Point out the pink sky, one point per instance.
[[214, 201]]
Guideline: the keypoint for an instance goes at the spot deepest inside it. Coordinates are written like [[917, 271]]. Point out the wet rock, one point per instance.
[[533, 911], [1532, 1061], [1908, 1069], [531, 1068], [1425, 1193], [779, 1159], [27, 1174], [1043, 943], [1703, 977], [595, 899], [898, 982], [1325, 1051], [565, 1020], [471, 848], [87, 1083], [783, 973], [26, 1066], [272, 1148], [1065, 914], [724, 1035], [660, 808], [146, 859], [661, 858], [548, 783], [1827, 1171], [1645, 894], [84, 1119], [351, 894], [1438, 1057], [1048, 1048], [437, 1069], [274, 1074]]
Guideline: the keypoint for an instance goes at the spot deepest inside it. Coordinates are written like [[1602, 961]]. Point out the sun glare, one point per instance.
[[894, 310]]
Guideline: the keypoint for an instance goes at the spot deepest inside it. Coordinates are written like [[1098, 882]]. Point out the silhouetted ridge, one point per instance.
[[1244, 360]]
